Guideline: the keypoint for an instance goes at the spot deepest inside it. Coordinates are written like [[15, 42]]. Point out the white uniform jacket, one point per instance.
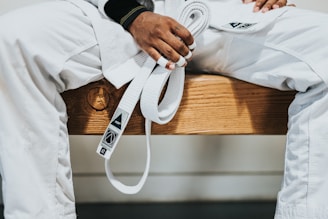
[[227, 15]]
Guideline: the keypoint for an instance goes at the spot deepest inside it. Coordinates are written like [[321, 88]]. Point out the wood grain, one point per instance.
[[211, 104]]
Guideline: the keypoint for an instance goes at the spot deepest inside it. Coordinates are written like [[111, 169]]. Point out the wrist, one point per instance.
[[124, 12], [139, 20]]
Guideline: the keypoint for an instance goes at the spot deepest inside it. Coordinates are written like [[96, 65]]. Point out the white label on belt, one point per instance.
[[113, 133]]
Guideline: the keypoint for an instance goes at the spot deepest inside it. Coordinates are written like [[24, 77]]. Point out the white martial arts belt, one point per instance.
[[147, 86]]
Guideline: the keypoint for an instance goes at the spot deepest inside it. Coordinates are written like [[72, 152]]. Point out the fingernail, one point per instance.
[[265, 10], [171, 66], [256, 9]]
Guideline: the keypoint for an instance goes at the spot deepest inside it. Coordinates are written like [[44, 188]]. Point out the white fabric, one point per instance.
[[113, 55], [100, 5], [232, 16]]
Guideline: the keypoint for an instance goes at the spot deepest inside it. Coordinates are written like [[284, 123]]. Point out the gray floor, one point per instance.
[[230, 210], [221, 210]]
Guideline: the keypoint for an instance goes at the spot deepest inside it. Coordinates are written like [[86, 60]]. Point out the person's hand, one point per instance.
[[163, 38], [266, 5]]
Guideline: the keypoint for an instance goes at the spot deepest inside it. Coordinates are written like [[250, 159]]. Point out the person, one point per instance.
[[54, 46]]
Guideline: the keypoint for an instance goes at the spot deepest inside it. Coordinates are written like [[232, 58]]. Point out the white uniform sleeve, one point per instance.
[[100, 4]]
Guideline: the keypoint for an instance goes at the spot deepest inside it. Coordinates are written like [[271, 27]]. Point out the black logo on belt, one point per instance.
[[103, 151], [118, 122], [110, 138]]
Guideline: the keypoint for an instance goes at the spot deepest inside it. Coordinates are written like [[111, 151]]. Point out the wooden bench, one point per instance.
[[212, 104]]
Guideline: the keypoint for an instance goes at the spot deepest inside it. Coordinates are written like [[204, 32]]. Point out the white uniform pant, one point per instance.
[[45, 53], [44, 50], [292, 54]]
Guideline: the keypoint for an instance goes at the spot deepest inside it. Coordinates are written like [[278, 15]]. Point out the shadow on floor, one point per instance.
[[211, 210], [225, 210]]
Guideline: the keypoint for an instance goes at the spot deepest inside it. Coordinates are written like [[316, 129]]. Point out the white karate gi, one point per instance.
[[55, 46]]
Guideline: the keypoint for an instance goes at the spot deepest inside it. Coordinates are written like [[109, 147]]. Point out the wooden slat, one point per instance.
[[211, 104]]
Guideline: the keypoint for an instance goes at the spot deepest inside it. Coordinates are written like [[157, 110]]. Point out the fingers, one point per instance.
[[175, 48], [178, 45], [263, 5], [165, 63], [169, 55], [279, 4], [174, 44], [162, 61], [183, 34], [266, 5], [248, 1], [164, 39]]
